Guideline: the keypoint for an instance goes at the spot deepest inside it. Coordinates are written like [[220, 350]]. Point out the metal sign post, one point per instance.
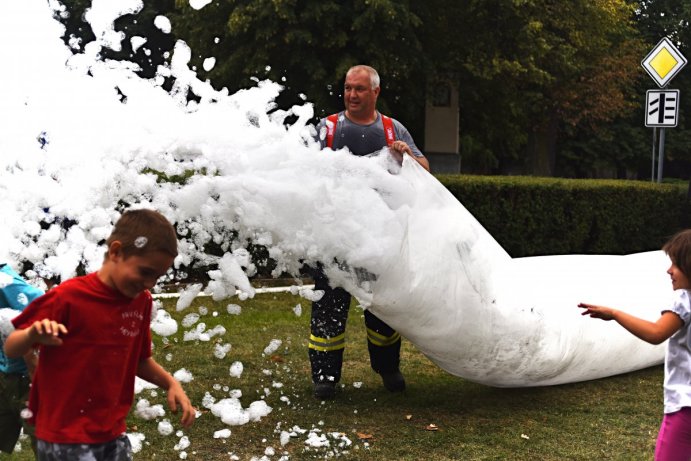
[[662, 106], [661, 155], [652, 167]]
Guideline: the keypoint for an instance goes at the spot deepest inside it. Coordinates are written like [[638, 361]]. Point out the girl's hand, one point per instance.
[[598, 312]]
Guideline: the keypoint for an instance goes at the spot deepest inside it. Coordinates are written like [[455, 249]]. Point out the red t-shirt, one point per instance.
[[83, 389]]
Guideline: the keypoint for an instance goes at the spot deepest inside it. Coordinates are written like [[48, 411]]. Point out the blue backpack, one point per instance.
[[16, 294]]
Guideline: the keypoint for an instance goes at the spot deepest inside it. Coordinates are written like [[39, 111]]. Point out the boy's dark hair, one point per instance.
[[142, 231], [678, 248]]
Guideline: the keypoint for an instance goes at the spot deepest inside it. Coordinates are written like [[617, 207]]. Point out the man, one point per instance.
[[363, 130]]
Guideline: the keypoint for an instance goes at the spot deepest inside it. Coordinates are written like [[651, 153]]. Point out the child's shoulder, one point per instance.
[[74, 285], [684, 296], [681, 304], [79, 280]]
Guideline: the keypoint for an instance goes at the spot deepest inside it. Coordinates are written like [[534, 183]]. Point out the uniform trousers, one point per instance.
[[327, 339]]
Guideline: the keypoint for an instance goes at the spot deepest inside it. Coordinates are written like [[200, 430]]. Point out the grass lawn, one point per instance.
[[439, 417]]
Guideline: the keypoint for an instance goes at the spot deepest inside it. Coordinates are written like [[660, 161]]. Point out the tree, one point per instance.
[[668, 18], [546, 87], [528, 68], [307, 46], [154, 52]]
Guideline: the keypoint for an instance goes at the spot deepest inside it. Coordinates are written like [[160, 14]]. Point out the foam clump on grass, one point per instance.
[[183, 443], [221, 350], [222, 434], [163, 324], [165, 428], [273, 346], [146, 411], [258, 409], [231, 412], [190, 319], [183, 375], [136, 440], [236, 369], [197, 334], [234, 309], [200, 333], [316, 439]]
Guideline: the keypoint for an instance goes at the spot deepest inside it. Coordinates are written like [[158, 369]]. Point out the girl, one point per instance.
[[674, 438]]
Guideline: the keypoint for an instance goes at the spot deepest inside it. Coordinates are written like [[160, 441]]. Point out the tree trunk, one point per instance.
[[542, 148]]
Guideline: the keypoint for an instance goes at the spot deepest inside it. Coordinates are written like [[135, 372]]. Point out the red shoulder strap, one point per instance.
[[389, 132], [331, 122]]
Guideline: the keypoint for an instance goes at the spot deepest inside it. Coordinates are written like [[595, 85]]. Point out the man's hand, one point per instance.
[[401, 147]]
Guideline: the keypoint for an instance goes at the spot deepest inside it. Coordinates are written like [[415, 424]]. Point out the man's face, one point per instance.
[[359, 97]]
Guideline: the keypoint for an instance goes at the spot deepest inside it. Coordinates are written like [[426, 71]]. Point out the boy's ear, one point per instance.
[[114, 249]]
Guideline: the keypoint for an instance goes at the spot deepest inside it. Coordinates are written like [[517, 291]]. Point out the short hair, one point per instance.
[[142, 231], [374, 79], [678, 248]]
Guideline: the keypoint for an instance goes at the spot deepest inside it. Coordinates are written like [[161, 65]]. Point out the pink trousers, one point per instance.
[[674, 438]]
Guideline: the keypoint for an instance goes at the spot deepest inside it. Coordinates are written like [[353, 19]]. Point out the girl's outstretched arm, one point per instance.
[[652, 332]]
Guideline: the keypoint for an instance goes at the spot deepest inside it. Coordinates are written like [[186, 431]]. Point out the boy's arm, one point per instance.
[[151, 371], [31, 360], [45, 331]]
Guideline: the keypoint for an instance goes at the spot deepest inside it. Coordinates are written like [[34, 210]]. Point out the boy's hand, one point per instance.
[[46, 332], [178, 398]]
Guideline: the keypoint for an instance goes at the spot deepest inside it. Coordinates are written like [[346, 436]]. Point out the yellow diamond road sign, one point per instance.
[[664, 62]]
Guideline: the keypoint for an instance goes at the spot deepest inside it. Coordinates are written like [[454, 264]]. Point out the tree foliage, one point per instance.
[[670, 18], [306, 45], [546, 86], [153, 53], [527, 69]]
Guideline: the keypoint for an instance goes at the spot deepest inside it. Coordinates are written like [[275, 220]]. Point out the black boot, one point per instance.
[[325, 390], [393, 382]]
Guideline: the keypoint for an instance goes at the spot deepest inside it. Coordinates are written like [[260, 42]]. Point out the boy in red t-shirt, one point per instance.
[[94, 336]]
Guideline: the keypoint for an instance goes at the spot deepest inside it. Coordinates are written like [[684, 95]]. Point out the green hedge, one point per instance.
[[532, 216]]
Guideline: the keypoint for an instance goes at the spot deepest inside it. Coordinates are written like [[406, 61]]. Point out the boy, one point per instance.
[[94, 338], [16, 294]]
